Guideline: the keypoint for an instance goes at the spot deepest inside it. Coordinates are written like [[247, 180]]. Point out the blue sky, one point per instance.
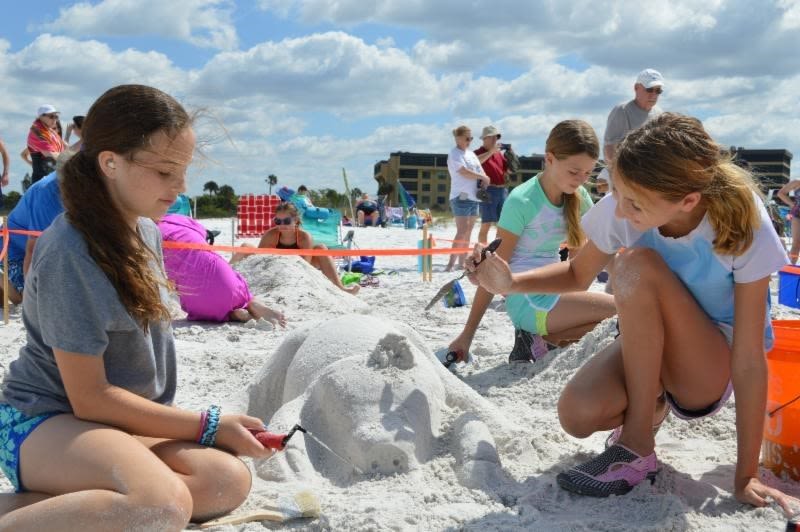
[[302, 88]]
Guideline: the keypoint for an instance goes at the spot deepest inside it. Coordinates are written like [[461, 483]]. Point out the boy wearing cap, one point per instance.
[[495, 166], [626, 117]]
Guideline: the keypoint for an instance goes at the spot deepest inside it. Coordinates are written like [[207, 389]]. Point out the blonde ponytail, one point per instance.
[[673, 155]]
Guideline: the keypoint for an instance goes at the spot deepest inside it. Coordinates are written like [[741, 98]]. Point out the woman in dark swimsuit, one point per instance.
[[286, 234]]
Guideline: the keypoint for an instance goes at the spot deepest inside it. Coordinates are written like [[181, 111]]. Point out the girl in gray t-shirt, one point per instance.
[[86, 414]]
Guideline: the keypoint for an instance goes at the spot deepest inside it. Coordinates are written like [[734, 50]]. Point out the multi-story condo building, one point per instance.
[[425, 177]]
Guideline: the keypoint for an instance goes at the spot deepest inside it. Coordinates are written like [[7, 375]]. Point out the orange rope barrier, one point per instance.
[[275, 251], [5, 241], [317, 252]]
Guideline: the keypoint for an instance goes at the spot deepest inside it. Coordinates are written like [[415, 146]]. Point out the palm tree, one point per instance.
[[211, 187], [272, 180], [356, 193], [331, 197]]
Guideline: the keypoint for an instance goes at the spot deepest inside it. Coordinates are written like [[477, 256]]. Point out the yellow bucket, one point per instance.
[[780, 451]]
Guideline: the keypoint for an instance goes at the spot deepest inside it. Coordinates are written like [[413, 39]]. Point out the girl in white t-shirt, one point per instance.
[[699, 254]]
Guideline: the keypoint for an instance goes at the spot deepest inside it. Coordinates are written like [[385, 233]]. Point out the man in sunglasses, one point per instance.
[[626, 117]]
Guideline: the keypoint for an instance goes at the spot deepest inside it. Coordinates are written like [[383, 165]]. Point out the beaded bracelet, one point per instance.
[[209, 436], [203, 424]]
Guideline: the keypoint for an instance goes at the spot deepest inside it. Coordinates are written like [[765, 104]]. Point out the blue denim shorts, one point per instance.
[[465, 207], [14, 428], [15, 275], [490, 210]]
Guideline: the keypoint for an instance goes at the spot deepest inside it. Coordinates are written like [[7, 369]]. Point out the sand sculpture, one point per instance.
[[372, 391]]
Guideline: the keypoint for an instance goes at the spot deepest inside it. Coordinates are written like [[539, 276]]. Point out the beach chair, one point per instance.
[[182, 206], [254, 214], [327, 230], [394, 215]]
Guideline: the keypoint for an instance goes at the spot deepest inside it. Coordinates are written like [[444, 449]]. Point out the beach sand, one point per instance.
[[218, 363]]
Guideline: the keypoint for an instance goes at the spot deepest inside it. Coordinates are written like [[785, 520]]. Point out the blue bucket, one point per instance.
[[789, 291]]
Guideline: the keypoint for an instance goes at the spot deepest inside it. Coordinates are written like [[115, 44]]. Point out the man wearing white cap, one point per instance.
[[626, 117], [623, 119]]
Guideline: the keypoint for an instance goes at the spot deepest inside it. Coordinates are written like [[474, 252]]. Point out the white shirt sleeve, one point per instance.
[[765, 255], [605, 230], [455, 161]]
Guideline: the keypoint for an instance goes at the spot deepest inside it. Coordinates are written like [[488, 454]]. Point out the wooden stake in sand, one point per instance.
[[426, 260], [5, 270]]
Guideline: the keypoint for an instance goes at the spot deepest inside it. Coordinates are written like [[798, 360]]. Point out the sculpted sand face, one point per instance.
[[371, 390]]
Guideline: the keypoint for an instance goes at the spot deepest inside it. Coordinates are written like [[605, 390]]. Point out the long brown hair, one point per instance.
[[123, 120], [673, 155], [568, 138]]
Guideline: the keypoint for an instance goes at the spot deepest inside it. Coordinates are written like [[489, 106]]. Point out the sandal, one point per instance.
[[369, 280], [615, 471]]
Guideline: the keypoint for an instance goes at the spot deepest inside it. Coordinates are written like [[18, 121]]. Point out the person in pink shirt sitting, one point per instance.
[[209, 289]]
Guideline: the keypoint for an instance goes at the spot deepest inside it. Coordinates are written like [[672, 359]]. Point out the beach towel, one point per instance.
[[208, 287]]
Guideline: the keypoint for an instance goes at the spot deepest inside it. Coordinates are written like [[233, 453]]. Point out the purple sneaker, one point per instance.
[[528, 347], [615, 471]]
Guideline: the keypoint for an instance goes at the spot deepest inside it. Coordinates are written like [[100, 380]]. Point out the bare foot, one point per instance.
[[260, 310], [352, 289]]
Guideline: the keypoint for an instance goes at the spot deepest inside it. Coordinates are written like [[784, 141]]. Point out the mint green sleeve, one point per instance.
[[586, 200], [513, 217]]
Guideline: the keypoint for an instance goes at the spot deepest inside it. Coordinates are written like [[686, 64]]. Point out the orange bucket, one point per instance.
[[780, 451]]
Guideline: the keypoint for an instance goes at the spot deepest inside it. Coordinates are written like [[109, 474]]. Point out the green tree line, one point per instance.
[[219, 201]]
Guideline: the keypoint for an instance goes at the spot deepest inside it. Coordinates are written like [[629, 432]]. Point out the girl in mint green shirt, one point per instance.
[[537, 218]]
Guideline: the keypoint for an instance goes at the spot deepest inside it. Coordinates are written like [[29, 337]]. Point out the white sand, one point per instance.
[[512, 484]]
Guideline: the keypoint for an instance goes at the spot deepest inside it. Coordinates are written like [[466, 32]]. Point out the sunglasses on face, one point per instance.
[[51, 116], [283, 221], [468, 139], [657, 90]]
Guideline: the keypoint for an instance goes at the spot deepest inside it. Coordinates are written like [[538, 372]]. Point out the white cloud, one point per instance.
[[333, 71], [682, 37], [791, 14], [204, 23], [452, 55], [305, 107]]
